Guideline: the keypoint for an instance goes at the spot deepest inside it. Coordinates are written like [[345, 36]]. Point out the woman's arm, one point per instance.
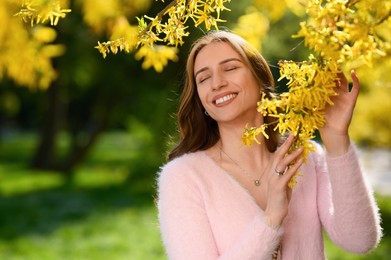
[[346, 204]]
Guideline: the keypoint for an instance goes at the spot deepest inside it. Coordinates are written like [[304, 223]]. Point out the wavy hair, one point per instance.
[[198, 131]]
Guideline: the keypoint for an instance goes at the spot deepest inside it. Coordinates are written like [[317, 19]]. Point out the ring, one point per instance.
[[278, 172]]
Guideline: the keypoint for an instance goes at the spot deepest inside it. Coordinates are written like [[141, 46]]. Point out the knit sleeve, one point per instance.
[[186, 228], [346, 203]]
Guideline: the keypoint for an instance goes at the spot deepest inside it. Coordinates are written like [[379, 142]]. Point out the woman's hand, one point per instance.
[[334, 134], [281, 169]]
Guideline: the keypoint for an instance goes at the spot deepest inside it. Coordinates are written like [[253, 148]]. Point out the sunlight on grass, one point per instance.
[[125, 234], [18, 182]]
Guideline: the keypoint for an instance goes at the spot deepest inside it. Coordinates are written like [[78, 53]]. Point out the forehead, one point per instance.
[[214, 53]]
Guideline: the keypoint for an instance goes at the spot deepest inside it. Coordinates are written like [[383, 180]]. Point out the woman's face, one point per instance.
[[226, 87]]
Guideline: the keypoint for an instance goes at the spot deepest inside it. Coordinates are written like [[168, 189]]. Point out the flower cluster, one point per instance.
[[300, 110], [275, 10], [341, 33], [30, 65], [41, 11], [250, 134], [156, 56], [169, 27], [347, 31], [246, 29]]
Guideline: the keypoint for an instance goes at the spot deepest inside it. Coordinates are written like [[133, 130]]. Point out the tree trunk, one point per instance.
[[44, 155], [79, 152]]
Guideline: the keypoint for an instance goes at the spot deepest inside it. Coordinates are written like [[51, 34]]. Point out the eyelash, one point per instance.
[[230, 68], [203, 79], [227, 69]]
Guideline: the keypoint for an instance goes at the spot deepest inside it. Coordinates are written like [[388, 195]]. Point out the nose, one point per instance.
[[218, 81]]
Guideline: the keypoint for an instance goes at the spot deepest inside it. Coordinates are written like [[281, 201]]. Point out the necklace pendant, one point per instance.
[[257, 182]]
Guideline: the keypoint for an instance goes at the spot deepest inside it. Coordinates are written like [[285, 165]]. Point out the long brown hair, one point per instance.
[[198, 131]]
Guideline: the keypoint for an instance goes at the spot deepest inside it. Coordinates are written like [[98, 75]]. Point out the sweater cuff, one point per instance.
[[278, 231], [344, 158], [345, 170]]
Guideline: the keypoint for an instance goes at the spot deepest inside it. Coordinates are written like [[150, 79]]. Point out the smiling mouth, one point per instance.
[[225, 98]]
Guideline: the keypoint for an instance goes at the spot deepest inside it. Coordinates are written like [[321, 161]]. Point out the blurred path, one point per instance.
[[377, 168]]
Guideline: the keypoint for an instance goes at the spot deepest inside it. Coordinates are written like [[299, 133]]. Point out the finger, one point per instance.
[[289, 194], [343, 82], [292, 171], [292, 157], [284, 165], [356, 83], [283, 180], [284, 148]]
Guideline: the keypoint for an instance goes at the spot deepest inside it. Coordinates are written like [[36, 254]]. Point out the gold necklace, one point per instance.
[[257, 182]]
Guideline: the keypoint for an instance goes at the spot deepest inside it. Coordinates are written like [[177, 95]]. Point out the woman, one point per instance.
[[219, 199]]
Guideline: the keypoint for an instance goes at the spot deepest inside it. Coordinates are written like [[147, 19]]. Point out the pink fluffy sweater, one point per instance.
[[205, 214]]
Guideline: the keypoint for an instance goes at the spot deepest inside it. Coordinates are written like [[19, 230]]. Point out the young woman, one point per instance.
[[219, 199]]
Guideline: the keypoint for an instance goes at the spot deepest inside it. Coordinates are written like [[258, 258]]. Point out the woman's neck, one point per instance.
[[254, 156]]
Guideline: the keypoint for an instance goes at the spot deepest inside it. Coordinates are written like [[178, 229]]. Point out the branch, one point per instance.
[[383, 19], [160, 15]]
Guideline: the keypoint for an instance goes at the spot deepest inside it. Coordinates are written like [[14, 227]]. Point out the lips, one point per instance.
[[221, 99]]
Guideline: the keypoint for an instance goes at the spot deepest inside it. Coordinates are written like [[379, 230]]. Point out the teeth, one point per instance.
[[225, 98]]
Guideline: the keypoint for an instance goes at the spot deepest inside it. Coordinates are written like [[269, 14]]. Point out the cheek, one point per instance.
[[255, 88], [202, 94], [254, 93]]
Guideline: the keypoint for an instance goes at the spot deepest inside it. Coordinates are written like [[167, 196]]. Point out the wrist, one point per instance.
[[336, 145], [273, 222], [272, 225]]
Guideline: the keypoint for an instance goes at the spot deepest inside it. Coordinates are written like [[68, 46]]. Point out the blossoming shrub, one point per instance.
[[371, 123]]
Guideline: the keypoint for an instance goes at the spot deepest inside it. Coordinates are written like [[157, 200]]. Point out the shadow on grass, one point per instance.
[[385, 211], [43, 211], [32, 208]]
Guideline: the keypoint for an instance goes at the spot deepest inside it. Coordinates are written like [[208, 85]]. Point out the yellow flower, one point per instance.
[[253, 34], [156, 56], [175, 31], [168, 26], [250, 135], [293, 181], [42, 11], [113, 46]]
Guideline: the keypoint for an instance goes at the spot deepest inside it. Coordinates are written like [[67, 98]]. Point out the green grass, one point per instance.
[[105, 212], [382, 252]]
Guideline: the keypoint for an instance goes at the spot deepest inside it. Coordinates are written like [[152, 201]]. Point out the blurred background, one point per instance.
[[82, 138]]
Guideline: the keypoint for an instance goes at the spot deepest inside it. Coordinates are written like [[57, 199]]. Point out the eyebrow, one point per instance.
[[221, 62]]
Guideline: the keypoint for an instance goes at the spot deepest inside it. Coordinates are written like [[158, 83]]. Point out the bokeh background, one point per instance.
[[79, 157]]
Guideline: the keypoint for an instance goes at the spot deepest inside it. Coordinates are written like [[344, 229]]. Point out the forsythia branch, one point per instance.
[[168, 27], [340, 33]]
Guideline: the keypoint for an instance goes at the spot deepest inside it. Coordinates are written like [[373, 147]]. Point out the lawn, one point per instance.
[[106, 211]]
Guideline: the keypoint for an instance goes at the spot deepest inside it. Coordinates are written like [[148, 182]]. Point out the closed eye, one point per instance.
[[230, 68], [203, 79]]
